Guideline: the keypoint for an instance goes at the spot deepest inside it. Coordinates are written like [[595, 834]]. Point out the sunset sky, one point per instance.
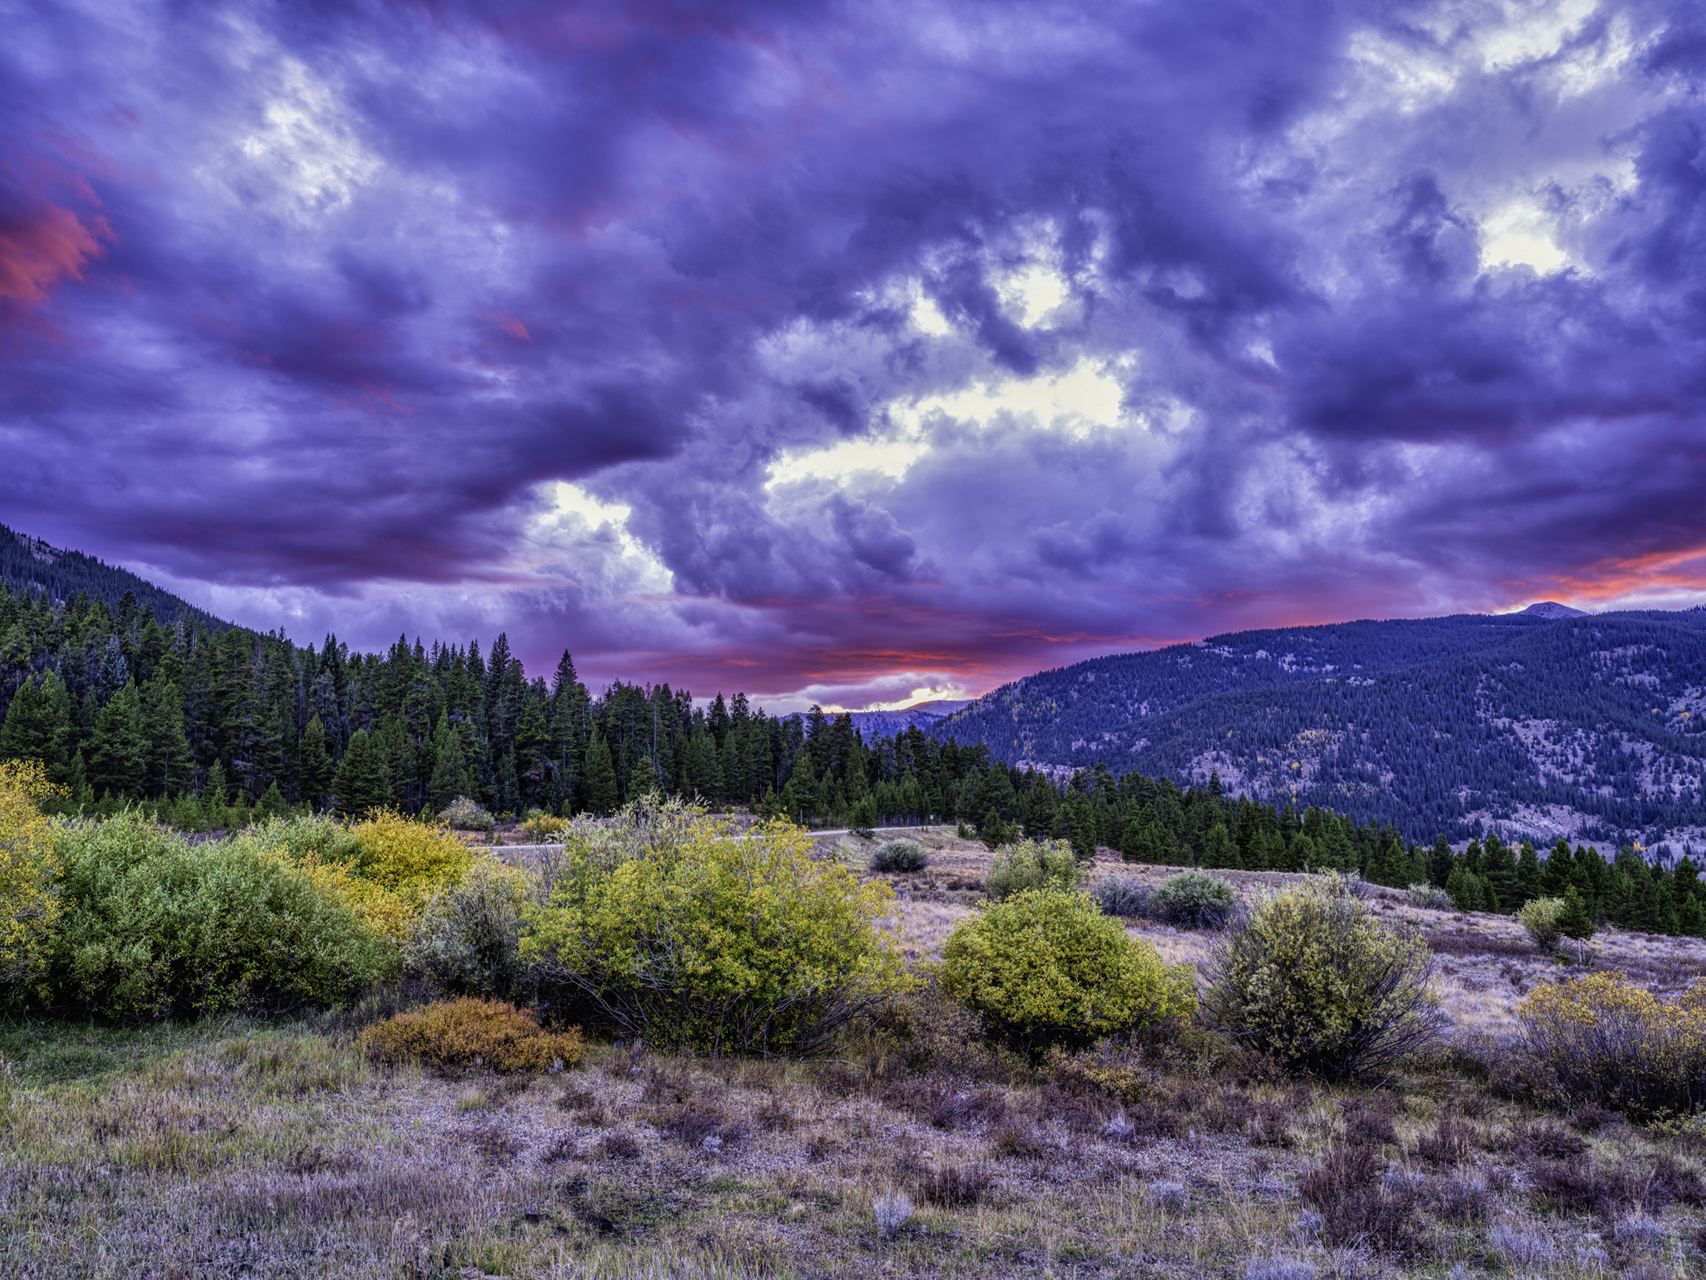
[[856, 352]]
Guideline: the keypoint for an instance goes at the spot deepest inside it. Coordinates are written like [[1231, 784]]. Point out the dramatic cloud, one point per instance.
[[857, 352]]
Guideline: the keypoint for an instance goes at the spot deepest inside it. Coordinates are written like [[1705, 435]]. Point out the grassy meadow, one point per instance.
[[275, 1147]]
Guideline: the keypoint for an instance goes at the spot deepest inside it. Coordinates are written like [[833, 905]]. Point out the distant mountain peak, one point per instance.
[[1551, 609]]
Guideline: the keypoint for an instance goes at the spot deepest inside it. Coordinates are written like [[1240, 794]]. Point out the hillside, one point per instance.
[[1537, 724], [28, 566], [885, 724]]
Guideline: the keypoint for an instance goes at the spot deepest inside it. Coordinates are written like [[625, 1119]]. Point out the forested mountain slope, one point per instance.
[[885, 724], [1589, 726], [28, 566]]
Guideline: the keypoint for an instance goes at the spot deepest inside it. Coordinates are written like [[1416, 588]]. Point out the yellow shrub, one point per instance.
[[1046, 967], [385, 870], [28, 905], [669, 926], [412, 859], [467, 1032], [1609, 1040]]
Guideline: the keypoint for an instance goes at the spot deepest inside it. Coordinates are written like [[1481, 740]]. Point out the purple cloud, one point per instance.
[[837, 351]]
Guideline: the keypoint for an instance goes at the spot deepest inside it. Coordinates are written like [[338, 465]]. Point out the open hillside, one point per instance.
[[29, 566], [1533, 724]]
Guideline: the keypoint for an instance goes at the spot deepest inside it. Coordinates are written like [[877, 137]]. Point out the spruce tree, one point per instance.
[[1498, 868], [599, 785], [118, 752], [1219, 850], [313, 766], [1527, 876], [359, 784], [1440, 862], [1575, 922]]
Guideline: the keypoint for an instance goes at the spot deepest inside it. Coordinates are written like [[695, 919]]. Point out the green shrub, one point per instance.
[[473, 1033], [463, 814], [1194, 900], [1608, 1041], [1430, 897], [153, 927], [1046, 967], [1314, 979], [899, 855], [468, 941], [680, 930], [1539, 918], [1032, 864], [1121, 896]]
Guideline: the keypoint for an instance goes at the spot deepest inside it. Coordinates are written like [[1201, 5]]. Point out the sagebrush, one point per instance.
[[1314, 979]]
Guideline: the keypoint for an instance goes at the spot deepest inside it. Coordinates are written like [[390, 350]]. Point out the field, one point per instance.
[[274, 1148]]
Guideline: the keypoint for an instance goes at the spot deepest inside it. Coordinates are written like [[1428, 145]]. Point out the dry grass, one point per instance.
[[249, 1149]]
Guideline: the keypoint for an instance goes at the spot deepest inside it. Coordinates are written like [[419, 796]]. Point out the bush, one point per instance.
[[899, 855], [28, 871], [1314, 979], [543, 827], [467, 1033], [1356, 1204], [1032, 864], [1610, 1042], [463, 814], [1430, 897], [1121, 896], [1194, 900], [155, 927], [385, 870], [468, 942], [1046, 967], [679, 930], [1540, 918]]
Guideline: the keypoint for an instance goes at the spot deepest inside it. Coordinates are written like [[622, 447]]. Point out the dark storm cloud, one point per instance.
[[1334, 310]]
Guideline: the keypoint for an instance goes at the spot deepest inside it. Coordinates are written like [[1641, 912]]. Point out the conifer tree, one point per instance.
[[118, 752], [599, 785], [313, 765], [1219, 850], [359, 784], [1575, 922], [1440, 862]]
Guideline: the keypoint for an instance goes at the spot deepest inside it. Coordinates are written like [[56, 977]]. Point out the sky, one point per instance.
[[856, 353]]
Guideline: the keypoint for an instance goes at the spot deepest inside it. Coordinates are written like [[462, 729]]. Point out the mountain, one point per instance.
[[1550, 609], [1592, 726], [29, 566], [885, 724]]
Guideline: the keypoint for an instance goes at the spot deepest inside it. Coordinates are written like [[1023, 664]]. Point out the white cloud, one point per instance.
[[1519, 234]]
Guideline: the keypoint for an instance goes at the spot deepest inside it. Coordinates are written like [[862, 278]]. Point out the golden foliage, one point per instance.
[[469, 1032], [1614, 1042], [681, 930], [1045, 967], [28, 869]]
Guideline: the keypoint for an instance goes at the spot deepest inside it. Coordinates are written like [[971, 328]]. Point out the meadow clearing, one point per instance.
[[275, 1147]]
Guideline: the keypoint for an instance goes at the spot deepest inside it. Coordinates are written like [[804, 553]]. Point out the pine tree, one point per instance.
[[599, 785], [171, 766], [359, 784], [118, 752], [1527, 876], [1219, 850], [1575, 922], [1498, 869], [272, 803], [1440, 862], [213, 797], [313, 766]]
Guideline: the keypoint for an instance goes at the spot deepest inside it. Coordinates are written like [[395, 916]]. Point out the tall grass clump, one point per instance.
[[1313, 978], [1046, 967], [1032, 864], [152, 926], [899, 855], [1194, 900], [1609, 1041], [677, 929]]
